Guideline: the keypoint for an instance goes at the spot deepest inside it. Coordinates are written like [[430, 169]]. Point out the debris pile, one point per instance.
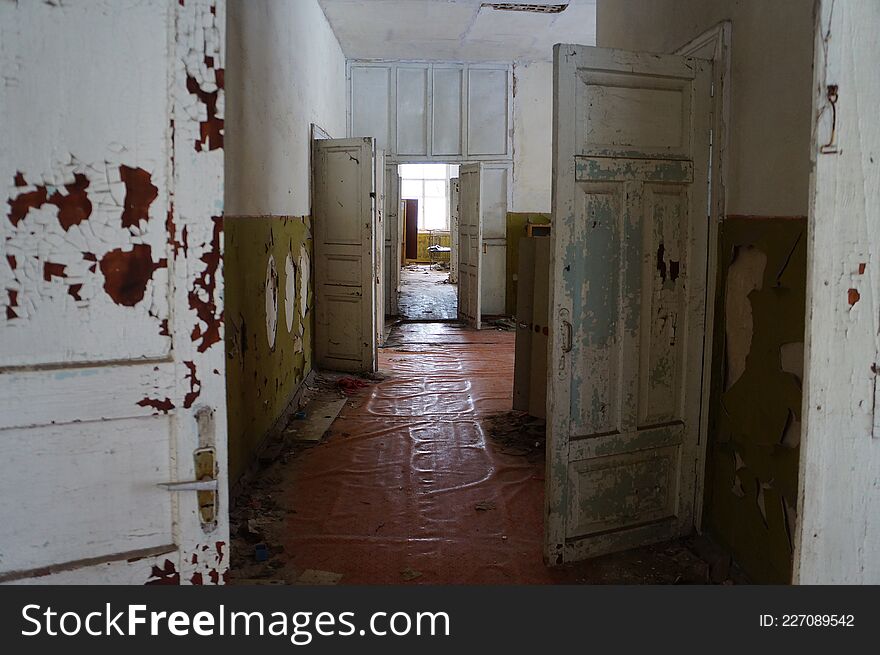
[[518, 434]]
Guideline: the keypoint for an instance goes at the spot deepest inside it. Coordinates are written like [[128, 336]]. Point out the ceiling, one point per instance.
[[457, 30]]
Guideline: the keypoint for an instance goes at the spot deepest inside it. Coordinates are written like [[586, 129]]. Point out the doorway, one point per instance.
[[428, 288]]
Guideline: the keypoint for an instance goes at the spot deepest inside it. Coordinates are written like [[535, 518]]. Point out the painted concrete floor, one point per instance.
[[411, 485], [425, 296]]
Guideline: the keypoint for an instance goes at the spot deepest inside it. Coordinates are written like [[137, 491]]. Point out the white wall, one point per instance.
[[532, 136], [285, 70], [772, 50], [839, 537]]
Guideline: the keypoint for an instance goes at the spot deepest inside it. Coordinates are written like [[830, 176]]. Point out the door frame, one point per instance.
[[713, 44]]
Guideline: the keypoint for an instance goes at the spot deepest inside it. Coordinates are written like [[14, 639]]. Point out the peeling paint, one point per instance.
[[195, 385], [202, 297], [140, 193], [127, 272], [163, 406], [166, 575]]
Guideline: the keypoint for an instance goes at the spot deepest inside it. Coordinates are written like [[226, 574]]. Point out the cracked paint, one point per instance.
[[140, 193], [127, 272]]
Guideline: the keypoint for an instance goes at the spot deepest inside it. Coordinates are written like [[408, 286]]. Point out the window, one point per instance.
[[429, 184]]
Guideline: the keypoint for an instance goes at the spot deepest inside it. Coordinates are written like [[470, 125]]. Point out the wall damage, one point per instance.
[[755, 413]]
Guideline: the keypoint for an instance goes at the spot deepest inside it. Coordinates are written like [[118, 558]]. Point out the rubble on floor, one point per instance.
[[517, 433]]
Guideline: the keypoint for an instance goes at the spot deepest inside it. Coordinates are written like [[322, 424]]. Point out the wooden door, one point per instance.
[[411, 219], [112, 395], [628, 270], [379, 229], [470, 241], [454, 192], [345, 254], [392, 239]]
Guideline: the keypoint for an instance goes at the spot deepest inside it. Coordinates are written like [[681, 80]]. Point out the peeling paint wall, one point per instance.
[[755, 404], [516, 229], [285, 71], [269, 326]]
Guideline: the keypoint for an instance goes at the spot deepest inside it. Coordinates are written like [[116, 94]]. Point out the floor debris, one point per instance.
[[315, 423]]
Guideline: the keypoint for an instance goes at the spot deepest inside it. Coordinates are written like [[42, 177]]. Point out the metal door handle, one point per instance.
[[566, 336], [191, 485]]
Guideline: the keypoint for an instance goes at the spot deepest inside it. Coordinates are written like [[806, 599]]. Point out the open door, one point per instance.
[[628, 270], [345, 254], [454, 191], [470, 241], [379, 229], [112, 396], [392, 240]]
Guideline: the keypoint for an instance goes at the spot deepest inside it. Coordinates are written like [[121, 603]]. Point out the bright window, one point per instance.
[[429, 184]]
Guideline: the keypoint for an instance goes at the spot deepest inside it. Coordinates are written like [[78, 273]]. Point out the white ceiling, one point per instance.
[[456, 30]]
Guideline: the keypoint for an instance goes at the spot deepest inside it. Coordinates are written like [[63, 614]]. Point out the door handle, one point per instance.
[[566, 336], [485, 248], [191, 485], [205, 486]]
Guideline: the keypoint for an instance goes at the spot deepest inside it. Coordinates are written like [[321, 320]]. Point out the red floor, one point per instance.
[[393, 491], [390, 495]]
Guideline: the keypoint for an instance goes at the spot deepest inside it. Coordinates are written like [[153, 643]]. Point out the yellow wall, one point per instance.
[[425, 241], [261, 380]]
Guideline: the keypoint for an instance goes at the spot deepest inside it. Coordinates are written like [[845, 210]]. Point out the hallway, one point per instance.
[[426, 294], [408, 485]]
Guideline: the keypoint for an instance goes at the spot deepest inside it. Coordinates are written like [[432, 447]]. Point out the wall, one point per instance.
[[772, 50], [269, 325], [757, 374], [754, 404], [532, 136], [285, 71]]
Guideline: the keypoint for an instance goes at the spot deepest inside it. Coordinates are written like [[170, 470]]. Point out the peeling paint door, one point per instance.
[[112, 378], [628, 271], [345, 254], [379, 229], [470, 241], [454, 193], [392, 239]]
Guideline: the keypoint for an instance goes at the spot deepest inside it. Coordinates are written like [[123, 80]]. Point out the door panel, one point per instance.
[[470, 242], [392, 239], [495, 190], [630, 185], [454, 194], [345, 255], [379, 230], [411, 219], [111, 345]]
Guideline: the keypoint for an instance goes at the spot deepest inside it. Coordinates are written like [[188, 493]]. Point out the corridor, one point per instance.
[[408, 485]]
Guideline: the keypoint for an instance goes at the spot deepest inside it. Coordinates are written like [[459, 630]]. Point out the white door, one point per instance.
[[494, 191], [112, 394], [629, 242], [379, 230], [454, 192], [470, 241], [345, 253], [392, 239]]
